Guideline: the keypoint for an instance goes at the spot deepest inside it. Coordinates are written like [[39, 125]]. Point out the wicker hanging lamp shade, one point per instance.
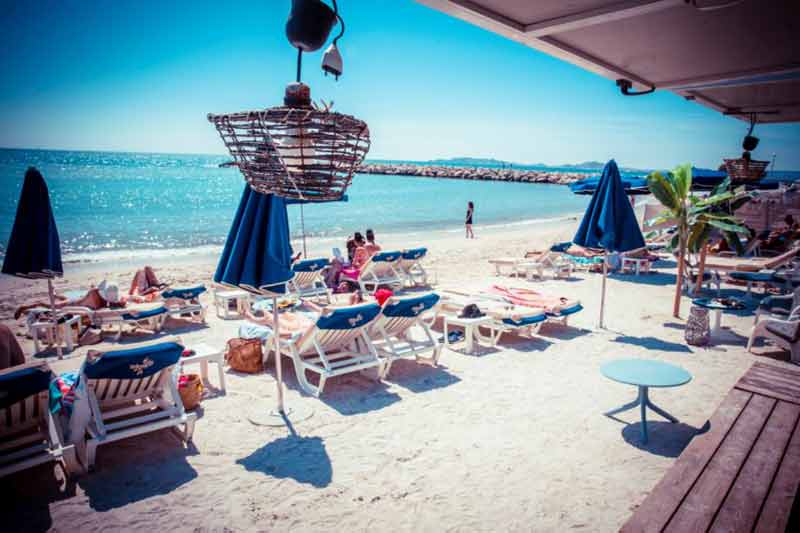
[[296, 150]]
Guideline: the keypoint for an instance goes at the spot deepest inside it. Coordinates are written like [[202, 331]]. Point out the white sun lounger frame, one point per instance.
[[113, 401], [390, 336], [28, 428]]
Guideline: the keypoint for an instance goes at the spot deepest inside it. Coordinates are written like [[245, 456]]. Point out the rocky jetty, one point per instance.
[[472, 173]]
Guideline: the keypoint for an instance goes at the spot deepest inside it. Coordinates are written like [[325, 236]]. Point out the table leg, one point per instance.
[[221, 370], [204, 370], [446, 335], [638, 267], [643, 401], [660, 411], [469, 338], [717, 329]]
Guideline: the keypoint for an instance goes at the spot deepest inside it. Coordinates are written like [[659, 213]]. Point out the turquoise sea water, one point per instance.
[[106, 201]]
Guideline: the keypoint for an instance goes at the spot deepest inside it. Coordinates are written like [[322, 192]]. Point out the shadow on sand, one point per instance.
[[30, 493], [138, 468], [417, 377], [652, 343], [303, 459], [664, 438]]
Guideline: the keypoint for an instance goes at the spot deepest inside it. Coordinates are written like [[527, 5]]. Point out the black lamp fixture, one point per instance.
[[308, 28], [750, 142], [626, 85]]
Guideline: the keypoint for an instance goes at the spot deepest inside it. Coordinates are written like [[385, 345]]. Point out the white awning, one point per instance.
[[739, 57]]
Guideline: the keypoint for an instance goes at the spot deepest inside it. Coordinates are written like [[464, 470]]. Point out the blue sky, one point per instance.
[[141, 76]]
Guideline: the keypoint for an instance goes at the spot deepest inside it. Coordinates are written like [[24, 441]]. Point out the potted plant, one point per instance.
[[695, 217]]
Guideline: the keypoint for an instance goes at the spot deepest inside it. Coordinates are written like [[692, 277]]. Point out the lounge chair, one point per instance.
[[29, 435], [555, 312], [330, 348], [535, 264], [750, 264], [505, 316], [391, 331], [185, 302], [145, 316], [308, 281], [410, 266], [133, 392], [784, 333], [778, 306], [380, 269]]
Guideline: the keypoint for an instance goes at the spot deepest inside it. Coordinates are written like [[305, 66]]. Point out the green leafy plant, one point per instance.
[[695, 217]]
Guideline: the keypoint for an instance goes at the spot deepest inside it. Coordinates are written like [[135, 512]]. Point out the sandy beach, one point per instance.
[[512, 438]]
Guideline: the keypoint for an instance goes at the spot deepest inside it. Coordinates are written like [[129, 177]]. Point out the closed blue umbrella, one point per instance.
[[609, 222], [34, 250], [257, 257], [589, 185]]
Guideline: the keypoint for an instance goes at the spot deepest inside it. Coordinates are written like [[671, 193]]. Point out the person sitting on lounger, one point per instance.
[[145, 285], [371, 247]]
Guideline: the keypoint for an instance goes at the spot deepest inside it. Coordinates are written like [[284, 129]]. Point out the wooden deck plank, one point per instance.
[[662, 502], [741, 507], [778, 507], [706, 496], [777, 383], [779, 375], [782, 370]]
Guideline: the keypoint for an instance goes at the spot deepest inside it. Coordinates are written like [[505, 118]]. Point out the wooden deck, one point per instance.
[[741, 475]]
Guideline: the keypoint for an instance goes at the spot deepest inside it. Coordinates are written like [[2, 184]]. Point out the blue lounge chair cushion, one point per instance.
[[410, 307], [185, 293], [145, 314], [414, 253], [527, 321], [310, 265], [18, 385], [387, 257], [350, 317], [753, 276], [568, 311], [560, 247], [134, 363]]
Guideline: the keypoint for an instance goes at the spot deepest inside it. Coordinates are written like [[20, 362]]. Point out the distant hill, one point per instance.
[[469, 161]]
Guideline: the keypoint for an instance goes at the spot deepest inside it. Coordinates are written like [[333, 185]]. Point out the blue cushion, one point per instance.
[[414, 253], [386, 257], [18, 385], [410, 307], [752, 276], [310, 265], [350, 317], [568, 311], [134, 363], [186, 293], [527, 321], [145, 314]]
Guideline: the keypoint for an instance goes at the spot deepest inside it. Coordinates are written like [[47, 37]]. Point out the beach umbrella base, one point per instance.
[[259, 416]]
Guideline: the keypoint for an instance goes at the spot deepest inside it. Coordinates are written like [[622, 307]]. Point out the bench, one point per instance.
[[743, 473]]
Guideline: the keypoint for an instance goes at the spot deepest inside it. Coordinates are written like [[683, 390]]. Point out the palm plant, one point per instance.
[[695, 217]]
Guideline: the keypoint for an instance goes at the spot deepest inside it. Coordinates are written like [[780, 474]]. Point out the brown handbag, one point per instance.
[[244, 355]]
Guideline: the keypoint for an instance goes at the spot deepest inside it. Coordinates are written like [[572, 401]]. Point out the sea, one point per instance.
[[108, 203]]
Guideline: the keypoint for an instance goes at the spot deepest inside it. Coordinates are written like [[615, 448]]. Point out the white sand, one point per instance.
[[511, 439]]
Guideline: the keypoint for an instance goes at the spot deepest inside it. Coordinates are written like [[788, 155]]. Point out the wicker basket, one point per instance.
[[191, 390], [742, 170], [295, 151]]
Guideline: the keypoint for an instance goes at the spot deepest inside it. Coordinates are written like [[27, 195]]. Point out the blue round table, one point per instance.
[[645, 374]]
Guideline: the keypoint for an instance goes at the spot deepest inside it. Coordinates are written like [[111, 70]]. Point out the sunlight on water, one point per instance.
[[107, 201]]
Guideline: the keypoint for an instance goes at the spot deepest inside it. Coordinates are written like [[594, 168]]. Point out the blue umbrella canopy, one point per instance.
[[258, 253], [589, 185], [610, 222], [34, 250]]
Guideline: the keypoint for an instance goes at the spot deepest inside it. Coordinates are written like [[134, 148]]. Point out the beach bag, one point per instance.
[[471, 311], [190, 387], [244, 355], [697, 330]]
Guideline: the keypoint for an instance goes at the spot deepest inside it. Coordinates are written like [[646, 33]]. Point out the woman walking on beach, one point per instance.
[[468, 222]]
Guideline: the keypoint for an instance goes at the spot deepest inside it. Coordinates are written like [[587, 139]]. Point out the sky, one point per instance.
[[142, 76]]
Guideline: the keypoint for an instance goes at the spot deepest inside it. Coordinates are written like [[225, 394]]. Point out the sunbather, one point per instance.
[[371, 247], [530, 298], [10, 351], [145, 284]]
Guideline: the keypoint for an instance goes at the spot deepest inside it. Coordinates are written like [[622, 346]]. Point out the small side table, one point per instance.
[[470, 326], [636, 264], [645, 374], [68, 330], [717, 308], [203, 354], [223, 300]]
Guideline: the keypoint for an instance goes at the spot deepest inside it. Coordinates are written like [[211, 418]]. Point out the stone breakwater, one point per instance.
[[473, 173]]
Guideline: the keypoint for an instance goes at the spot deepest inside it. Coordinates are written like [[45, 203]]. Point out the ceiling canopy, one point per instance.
[[740, 57]]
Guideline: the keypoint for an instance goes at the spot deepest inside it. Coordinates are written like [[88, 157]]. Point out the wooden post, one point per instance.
[[701, 269], [676, 309], [54, 317]]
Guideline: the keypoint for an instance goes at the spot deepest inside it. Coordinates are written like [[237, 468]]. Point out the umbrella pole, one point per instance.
[[603, 294], [277, 336], [303, 229], [52, 293]]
